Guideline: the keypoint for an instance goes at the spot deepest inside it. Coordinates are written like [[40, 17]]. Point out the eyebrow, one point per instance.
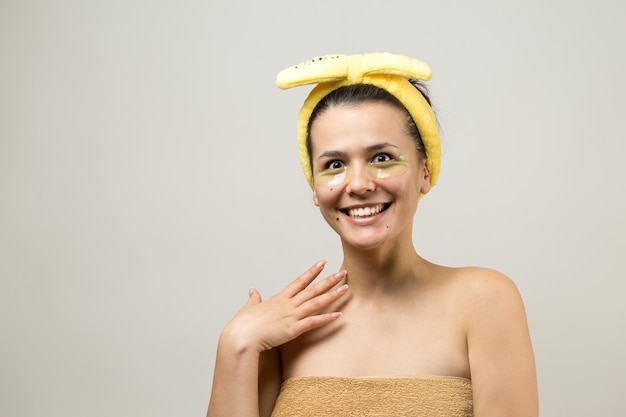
[[371, 148]]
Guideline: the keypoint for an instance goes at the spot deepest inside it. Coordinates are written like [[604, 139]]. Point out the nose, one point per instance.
[[360, 181]]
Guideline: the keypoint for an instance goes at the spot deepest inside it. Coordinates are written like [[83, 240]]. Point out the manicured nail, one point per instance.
[[336, 314], [321, 263], [342, 289], [341, 274]]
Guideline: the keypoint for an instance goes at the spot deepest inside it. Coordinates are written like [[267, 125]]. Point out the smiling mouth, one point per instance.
[[366, 211]]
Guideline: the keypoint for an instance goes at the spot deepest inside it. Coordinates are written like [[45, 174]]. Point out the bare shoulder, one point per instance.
[[484, 296], [484, 284], [498, 341]]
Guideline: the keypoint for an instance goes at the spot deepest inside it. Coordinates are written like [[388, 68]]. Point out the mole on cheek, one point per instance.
[[337, 218]]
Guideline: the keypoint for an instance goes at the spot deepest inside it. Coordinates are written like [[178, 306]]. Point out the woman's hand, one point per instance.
[[262, 325]]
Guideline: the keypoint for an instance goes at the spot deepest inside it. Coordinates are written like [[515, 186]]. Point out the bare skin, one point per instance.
[[400, 315]]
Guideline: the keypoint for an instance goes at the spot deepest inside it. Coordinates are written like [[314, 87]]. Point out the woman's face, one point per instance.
[[367, 174]]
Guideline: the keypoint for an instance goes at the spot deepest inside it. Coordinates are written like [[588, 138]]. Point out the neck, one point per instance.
[[381, 270]]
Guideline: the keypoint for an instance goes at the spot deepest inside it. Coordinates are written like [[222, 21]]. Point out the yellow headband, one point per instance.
[[383, 70]]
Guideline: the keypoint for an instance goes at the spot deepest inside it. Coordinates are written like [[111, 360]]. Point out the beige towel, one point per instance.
[[401, 396]]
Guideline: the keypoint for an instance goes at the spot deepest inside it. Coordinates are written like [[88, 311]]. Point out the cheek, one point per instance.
[[405, 188], [326, 196], [402, 184], [327, 199]]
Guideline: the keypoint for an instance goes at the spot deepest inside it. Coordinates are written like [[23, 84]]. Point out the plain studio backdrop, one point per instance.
[[149, 177]]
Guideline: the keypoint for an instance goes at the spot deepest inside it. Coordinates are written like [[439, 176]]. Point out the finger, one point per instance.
[[319, 288], [313, 322], [320, 302], [304, 280], [254, 296]]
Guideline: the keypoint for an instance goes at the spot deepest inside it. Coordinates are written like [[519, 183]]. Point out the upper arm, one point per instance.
[[502, 363], [270, 378]]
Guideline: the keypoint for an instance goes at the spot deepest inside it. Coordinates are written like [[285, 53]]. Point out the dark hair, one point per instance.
[[361, 93]]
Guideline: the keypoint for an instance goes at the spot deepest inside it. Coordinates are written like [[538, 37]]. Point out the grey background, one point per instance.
[[148, 177]]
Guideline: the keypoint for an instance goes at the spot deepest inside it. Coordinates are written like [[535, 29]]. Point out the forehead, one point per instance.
[[358, 126]]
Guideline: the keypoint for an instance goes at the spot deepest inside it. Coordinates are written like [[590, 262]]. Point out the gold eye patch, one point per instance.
[[332, 177]]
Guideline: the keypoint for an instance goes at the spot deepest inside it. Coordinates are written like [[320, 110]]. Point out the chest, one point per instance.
[[405, 342]]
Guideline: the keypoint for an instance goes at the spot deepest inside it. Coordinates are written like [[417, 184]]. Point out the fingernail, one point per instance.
[[340, 274], [320, 263], [342, 289], [336, 314]]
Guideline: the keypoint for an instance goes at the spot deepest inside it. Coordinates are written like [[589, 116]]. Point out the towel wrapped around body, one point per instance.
[[397, 396]]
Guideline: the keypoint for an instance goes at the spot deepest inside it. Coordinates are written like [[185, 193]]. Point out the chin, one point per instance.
[[370, 242]]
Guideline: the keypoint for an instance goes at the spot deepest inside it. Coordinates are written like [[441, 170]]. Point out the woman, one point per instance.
[[391, 333]]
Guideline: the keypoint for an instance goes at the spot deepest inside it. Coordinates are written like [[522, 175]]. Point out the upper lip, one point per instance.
[[349, 210], [357, 206]]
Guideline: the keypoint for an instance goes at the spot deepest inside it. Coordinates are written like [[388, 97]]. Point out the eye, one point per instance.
[[334, 165], [381, 158]]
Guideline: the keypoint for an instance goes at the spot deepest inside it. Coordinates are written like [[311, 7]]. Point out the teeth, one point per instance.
[[365, 211]]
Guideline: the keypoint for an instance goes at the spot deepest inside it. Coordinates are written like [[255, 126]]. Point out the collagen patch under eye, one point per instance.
[[330, 177], [380, 170], [389, 169]]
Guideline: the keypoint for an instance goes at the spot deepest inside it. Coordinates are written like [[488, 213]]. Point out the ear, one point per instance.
[[425, 179], [315, 200]]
